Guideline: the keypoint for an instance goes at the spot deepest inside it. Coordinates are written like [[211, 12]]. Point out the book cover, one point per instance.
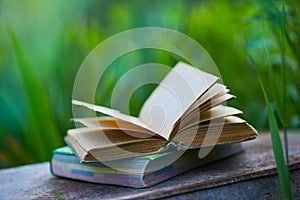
[[137, 172]]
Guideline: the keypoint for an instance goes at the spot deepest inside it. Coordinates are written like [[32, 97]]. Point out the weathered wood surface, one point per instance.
[[249, 175]]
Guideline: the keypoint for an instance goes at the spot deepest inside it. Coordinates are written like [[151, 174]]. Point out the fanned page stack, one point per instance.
[[186, 109]]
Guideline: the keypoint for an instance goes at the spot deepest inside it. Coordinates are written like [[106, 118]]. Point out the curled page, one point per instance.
[[114, 113], [182, 86]]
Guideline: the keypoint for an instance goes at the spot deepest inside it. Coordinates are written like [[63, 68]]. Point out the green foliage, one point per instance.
[[283, 171], [275, 15], [42, 133], [48, 41], [275, 60]]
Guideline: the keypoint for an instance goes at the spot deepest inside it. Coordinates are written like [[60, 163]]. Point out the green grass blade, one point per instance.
[[282, 168], [42, 130], [284, 78]]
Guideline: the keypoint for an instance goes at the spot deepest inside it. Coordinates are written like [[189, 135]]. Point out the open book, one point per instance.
[[185, 109]]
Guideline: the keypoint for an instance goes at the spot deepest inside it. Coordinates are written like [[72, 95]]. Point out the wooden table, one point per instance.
[[249, 175]]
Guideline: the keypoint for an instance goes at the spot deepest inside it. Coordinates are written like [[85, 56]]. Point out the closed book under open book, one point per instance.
[[140, 171]]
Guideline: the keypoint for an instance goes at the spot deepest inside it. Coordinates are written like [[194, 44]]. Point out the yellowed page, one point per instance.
[[234, 120], [93, 138], [210, 103], [216, 102], [182, 86], [114, 113], [216, 90], [209, 115], [112, 123]]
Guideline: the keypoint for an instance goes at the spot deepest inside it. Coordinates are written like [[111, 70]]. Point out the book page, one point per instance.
[[215, 91], [208, 104], [93, 138], [94, 145], [114, 113], [208, 115], [113, 124], [215, 102], [231, 131], [182, 86]]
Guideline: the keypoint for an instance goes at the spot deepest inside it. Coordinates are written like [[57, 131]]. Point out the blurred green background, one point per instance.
[[43, 43]]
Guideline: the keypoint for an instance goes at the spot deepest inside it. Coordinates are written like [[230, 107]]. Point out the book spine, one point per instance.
[[70, 167]]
